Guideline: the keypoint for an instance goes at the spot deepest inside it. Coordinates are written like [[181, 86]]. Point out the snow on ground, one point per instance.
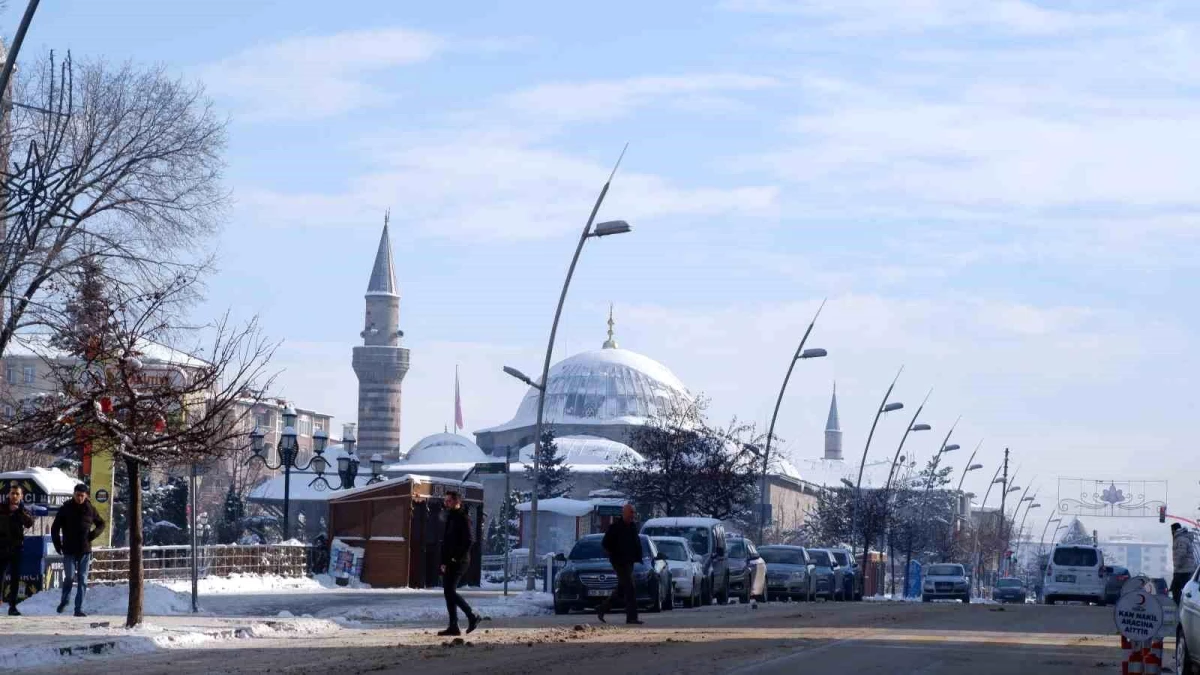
[[246, 583], [111, 601], [521, 604], [889, 598]]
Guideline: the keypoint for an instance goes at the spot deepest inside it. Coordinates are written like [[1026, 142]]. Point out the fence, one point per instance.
[[493, 566], [175, 562]]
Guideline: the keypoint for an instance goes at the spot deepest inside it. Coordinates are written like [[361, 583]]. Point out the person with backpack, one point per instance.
[[1183, 555]]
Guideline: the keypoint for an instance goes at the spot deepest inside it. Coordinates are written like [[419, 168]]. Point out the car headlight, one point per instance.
[[928, 584], [797, 576], [567, 577]]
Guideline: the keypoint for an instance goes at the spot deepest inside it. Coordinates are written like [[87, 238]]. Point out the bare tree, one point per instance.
[[128, 389], [117, 164]]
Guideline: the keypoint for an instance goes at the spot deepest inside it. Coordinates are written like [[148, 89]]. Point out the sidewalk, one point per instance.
[[27, 641]]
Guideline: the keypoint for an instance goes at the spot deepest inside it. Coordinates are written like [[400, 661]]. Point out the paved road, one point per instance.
[[320, 604], [937, 639]]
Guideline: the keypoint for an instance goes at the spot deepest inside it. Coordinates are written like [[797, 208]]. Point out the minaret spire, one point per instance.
[[833, 430], [383, 272], [611, 342]]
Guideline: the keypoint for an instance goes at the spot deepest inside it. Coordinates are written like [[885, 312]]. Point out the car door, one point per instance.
[[1189, 612]]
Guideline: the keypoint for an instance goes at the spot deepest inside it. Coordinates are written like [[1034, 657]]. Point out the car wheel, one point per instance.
[[1184, 665], [656, 604], [669, 603], [706, 593], [966, 599], [723, 596], [1049, 599], [925, 598], [745, 599], [561, 609]]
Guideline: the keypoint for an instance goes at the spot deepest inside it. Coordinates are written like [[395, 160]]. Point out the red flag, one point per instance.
[[458, 420]]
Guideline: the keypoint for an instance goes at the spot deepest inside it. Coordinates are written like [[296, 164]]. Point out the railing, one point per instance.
[[175, 562], [492, 566]]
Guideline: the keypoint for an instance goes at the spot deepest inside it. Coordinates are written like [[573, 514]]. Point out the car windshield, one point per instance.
[[842, 558], [782, 556], [820, 558], [737, 548], [696, 536], [588, 549], [673, 549], [945, 571], [1009, 583], [1075, 557]]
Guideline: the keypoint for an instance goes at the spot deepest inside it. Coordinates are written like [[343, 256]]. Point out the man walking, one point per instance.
[[456, 556], [77, 524], [14, 520], [624, 548], [1183, 555]]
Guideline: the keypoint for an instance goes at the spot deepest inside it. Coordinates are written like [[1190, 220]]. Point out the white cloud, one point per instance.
[[317, 76]]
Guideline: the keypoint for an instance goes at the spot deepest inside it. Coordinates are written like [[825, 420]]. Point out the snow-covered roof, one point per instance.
[[50, 481], [603, 386], [38, 344], [586, 450], [402, 479], [560, 505], [272, 488], [444, 448]]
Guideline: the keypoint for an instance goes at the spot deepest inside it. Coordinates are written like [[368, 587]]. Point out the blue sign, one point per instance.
[[914, 580], [33, 556]]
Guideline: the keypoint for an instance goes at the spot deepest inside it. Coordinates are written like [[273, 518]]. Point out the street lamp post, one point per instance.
[[945, 447], [887, 488], [801, 353], [983, 505], [884, 407], [602, 230]]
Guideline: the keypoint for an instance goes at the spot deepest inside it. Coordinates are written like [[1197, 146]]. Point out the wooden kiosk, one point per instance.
[[398, 522]]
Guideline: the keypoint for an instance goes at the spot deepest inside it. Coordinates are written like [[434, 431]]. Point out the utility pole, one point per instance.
[[1003, 518]]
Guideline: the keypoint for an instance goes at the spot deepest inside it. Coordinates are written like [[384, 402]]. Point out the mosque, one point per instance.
[[595, 400]]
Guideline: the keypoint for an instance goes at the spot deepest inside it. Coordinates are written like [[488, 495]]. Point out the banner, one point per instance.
[[1111, 498], [345, 562], [100, 480]]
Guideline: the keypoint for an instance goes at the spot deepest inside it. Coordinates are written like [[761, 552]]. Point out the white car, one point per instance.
[[1187, 635], [946, 581], [1075, 572], [687, 572]]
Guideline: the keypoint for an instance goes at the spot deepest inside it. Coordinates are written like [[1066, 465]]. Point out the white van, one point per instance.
[[1075, 572]]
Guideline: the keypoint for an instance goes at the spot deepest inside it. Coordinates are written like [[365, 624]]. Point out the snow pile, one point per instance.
[[111, 601], [522, 604], [329, 582], [244, 583], [304, 626]]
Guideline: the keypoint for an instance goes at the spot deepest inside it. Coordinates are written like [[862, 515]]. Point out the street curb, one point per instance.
[[125, 644]]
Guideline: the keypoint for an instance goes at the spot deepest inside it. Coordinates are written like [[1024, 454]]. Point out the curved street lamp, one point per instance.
[[288, 450], [801, 353], [601, 230], [887, 488], [884, 407]]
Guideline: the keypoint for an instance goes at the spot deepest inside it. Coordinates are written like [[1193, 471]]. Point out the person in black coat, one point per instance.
[[624, 548], [77, 524], [456, 555], [14, 520]]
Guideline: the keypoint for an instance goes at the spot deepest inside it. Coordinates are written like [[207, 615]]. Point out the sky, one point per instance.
[[997, 195]]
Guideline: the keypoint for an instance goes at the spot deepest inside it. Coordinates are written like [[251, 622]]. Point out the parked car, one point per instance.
[[747, 571], [687, 574], [848, 582], [1115, 578], [1187, 633], [824, 575], [707, 538], [946, 581], [1009, 589], [588, 578], [1075, 572], [789, 573]]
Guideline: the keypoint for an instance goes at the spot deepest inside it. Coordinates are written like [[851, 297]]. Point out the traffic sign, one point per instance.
[[1139, 616], [491, 467]]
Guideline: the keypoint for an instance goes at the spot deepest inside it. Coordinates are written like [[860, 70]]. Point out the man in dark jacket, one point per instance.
[[75, 527], [624, 548], [456, 556], [14, 520]]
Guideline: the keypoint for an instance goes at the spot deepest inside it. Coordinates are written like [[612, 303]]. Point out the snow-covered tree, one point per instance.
[[229, 528], [504, 523], [1077, 533], [554, 476]]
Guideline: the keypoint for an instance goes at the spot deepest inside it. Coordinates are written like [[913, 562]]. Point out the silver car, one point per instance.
[[687, 572], [1187, 635]]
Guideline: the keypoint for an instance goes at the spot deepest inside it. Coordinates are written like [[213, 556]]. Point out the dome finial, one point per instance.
[[611, 342]]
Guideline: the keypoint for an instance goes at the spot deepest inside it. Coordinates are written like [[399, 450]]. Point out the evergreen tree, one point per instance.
[[554, 476], [503, 524], [165, 512]]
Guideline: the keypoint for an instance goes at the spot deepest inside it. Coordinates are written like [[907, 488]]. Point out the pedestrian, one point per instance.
[[1183, 555], [77, 524], [456, 556], [624, 548], [14, 520]]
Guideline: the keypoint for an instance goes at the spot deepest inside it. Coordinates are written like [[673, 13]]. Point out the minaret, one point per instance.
[[380, 363], [611, 342], [833, 430]]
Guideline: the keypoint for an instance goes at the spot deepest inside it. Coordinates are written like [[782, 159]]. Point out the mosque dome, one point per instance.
[[445, 448], [585, 451]]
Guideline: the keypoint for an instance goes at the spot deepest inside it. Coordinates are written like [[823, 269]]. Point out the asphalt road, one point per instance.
[[777, 638]]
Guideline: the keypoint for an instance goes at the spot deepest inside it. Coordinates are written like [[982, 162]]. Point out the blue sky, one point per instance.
[[996, 194]]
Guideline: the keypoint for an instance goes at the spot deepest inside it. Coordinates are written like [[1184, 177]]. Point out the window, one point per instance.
[[8, 411], [29, 373], [675, 550], [263, 421], [946, 571], [1075, 557], [10, 373], [783, 556], [305, 425]]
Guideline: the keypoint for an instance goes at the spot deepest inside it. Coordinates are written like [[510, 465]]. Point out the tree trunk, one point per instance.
[[134, 615]]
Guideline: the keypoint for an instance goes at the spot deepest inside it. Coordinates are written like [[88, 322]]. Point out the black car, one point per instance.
[[1009, 589], [588, 577], [1161, 587], [824, 574], [847, 573], [1115, 577], [745, 568]]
